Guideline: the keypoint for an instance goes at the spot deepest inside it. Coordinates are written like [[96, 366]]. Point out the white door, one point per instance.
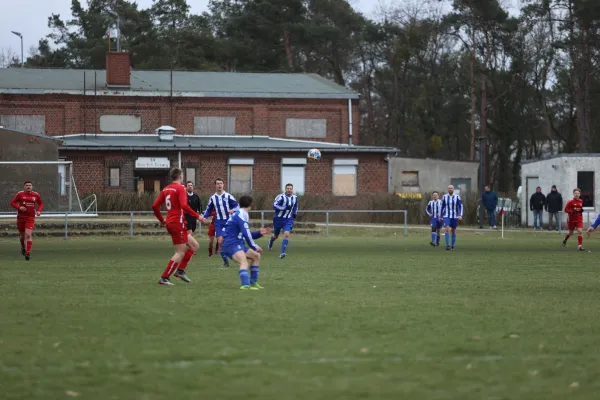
[[293, 174], [532, 184]]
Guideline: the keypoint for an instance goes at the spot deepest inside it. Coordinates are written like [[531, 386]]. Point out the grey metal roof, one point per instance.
[[185, 84], [207, 143], [562, 155], [38, 135]]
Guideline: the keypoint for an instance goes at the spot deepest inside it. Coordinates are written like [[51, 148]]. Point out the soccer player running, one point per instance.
[[175, 199], [434, 211], [237, 231], [452, 212], [574, 209], [224, 205], [286, 209], [29, 205], [195, 204]]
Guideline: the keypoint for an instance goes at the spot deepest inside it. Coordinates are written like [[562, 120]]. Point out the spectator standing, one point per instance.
[[536, 204], [489, 200], [554, 204]]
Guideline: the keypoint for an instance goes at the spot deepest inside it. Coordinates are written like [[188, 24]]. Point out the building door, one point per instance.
[[462, 186], [151, 182], [532, 183]]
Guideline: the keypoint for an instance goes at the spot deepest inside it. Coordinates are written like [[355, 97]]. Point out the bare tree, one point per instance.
[[8, 58]]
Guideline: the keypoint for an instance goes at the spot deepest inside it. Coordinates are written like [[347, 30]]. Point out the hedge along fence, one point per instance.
[[415, 207]]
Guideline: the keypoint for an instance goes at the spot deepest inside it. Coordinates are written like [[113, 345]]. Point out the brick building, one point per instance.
[[253, 130]]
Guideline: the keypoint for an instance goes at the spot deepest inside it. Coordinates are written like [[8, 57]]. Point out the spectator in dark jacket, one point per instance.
[[536, 204], [554, 204], [489, 200]]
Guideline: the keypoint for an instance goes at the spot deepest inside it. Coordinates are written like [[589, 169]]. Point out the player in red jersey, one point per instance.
[[29, 205], [175, 199], [211, 235], [574, 209]]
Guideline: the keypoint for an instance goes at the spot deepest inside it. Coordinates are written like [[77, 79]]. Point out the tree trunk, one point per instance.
[[473, 96], [288, 49]]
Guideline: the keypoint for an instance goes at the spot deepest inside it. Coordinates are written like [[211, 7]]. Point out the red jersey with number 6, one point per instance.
[[175, 199], [29, 200], [574, 208]]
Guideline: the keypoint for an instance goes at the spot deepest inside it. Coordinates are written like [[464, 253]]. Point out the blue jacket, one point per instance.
[[489, 200]]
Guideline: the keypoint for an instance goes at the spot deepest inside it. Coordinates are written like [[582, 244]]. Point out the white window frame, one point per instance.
[[293, 163], [345, 163], [242, 162]]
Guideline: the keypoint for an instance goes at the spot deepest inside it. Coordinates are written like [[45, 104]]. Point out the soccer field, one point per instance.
[[340, 318]]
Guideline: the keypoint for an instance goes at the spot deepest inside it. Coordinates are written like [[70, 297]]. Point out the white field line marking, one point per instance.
[[182, 364]]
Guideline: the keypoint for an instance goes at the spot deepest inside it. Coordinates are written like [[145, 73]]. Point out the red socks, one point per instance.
[[28, 248], [22, 242], [186, 259], [210, 251], [580, 240], [567, 236], [169, 270]]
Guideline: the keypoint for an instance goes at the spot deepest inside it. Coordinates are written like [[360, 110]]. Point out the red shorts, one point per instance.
[[26, 223], [575, 225], [211, 229], [178, 232]]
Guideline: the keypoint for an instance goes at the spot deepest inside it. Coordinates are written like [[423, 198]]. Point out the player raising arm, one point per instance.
[[574, 209], [28, 204], [174, 198], [237, 231], [434, 211]]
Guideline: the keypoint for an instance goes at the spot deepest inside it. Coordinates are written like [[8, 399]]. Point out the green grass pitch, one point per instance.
[[381, 317]]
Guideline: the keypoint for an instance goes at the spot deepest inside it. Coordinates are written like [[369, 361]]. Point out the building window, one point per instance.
[[190, 175], [120, 123], [585, 182], [240, 175], [305, 128], [114, 178], [344, 177], [292, 171], [410, 178], [62, 177], [214, 126]]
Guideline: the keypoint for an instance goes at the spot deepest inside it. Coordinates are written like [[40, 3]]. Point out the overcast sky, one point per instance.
[[30, 17]]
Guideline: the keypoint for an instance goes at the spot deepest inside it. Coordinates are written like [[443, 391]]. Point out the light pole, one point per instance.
[[118, 28], [481, 152], [21, 36]]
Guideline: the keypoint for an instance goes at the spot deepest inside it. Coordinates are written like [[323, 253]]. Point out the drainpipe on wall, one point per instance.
[[388, 158], [350, 122], [179, 158]]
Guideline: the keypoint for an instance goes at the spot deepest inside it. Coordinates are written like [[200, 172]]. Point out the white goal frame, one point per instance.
[[90, 211]]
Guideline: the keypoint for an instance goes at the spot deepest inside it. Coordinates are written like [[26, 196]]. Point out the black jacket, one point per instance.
[[195, 203], [554, 202], [537, 201]]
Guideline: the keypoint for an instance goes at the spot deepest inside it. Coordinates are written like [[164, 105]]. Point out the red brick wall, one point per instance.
[[118, 69], [91, 170], [73, 114]]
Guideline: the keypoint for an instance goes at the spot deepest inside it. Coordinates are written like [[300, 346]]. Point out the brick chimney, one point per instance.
[[117, 69]]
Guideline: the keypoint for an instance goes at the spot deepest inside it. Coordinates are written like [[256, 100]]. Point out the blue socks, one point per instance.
[[271, 242], [244, 277], [447, 237], [453, 239], [254, 273], [224, 257], [437, 239], [284, 245], [433, 236]]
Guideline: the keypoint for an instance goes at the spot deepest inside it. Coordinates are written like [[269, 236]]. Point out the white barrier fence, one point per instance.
[[322, 218]]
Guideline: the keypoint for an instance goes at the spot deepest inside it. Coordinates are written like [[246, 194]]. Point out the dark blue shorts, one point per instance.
[[451, 222], [229, 251], [282, 224], [220, 227], [435, 223]]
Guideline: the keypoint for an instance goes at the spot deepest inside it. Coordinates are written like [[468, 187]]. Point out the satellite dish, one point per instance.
[[519, 192]]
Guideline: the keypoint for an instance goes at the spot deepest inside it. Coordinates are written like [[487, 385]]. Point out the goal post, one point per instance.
[[53, 180]]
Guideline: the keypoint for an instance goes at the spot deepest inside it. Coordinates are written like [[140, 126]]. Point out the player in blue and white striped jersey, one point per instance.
[[286, 209], [224, 205], [434, 211], [452, 212]]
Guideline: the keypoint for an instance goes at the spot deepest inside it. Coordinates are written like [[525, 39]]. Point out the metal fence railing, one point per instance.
[[143, 222]]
